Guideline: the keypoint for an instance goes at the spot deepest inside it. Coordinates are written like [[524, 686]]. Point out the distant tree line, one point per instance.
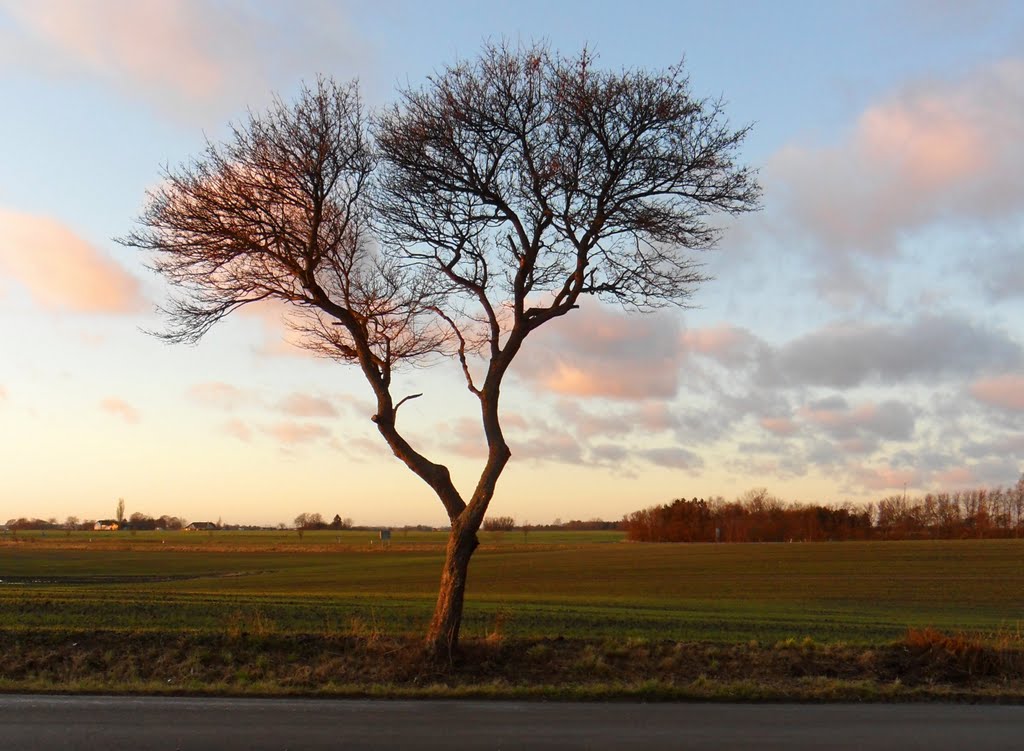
[[306, 521], [144, 522], [27, 523], [760, 517], [499, 524], [507, 523], [137, 521], [575, 525]]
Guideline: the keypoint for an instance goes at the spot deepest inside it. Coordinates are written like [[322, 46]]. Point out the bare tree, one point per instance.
[[499, 524], [119, 514], [139, 520], [169, 522], [475, 210], [339, 523], [309, 521]]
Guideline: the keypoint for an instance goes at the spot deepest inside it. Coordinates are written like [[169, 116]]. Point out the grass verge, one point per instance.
[[925, 665]]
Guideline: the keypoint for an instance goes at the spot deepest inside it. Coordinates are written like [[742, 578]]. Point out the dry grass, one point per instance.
[[365, 662], [964, 658]]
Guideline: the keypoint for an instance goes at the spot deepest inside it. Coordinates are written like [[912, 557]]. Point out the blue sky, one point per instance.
[[864, 332]]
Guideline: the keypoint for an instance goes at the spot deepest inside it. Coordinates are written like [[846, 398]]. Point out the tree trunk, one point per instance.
[[443, 636]]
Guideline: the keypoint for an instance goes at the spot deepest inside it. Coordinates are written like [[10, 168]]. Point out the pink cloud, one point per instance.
[[932, 152], [649, 417], [280, 338], [884, 478], [779, 425], [598, 351], [303, 405], [567, 378], [654, 417], [60, 270], [465, 437], [891, 420], [587, 424], [219, 395], [549, 447], [237, 429], [839, 417], [858, 445], [120, 408], [927, 140], [957, 477], [197, 56], [361, 446], [514, 421], [156, 43], [291, 433], [727, 344], [1005, 391]]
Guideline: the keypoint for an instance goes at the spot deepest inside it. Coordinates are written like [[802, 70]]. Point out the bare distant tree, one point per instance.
[[170, 522], [120, 510], [499, 524], [477, 209], [309, 521], [138, 521]]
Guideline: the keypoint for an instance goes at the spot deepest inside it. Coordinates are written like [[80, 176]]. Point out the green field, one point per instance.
[[549, 584]]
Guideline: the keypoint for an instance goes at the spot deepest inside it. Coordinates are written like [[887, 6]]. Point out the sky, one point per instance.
[[863, 334]]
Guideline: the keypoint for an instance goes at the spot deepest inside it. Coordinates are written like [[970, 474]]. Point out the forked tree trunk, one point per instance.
[[443, 636]]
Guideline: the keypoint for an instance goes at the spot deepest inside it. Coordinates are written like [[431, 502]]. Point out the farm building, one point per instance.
[[106, 525], [201, 527]]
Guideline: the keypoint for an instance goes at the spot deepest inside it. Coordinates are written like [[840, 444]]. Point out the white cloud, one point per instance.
[[291, 433]]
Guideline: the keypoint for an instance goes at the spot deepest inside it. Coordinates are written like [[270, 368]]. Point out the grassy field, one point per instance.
[[552, 615], [573, 585]]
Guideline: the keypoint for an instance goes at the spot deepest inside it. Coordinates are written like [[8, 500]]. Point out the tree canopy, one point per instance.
[[475, 209]]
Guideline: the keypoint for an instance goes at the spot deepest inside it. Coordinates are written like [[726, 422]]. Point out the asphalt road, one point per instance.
[[49, 723]]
